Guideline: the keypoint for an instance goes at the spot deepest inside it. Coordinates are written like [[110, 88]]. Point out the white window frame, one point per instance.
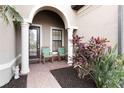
[[51, 28]]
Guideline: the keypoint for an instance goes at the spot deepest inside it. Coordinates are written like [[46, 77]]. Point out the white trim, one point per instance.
[[35, 24], [74, 27], [9, 64], [50, 39], [63, 36], [41, 36], [51, 36], [70, 45]]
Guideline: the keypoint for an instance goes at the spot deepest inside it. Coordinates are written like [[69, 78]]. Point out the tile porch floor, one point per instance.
[[41, 77]]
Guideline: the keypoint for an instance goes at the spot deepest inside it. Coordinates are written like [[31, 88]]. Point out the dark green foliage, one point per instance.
[[108, 71]]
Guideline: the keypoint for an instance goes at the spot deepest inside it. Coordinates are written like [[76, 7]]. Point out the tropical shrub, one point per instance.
[[86, 53], [80, 61], [98, 60], [108, 71]]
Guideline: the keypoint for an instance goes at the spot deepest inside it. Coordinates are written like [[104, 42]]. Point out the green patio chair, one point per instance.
[[61, 53], [46, 54]]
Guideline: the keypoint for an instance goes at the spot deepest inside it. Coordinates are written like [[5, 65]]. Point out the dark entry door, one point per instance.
[[34, 42]]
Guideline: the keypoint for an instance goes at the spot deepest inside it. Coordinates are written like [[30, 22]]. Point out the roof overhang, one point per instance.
[[76, 7]]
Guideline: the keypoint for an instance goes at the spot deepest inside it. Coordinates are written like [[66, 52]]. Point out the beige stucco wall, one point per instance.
[[24, 10], [7, 42], [99, 21], [47, 20], [7, 51], [65, 9]]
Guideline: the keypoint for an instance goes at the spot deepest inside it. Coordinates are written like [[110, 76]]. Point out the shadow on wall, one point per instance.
[[18, 41]]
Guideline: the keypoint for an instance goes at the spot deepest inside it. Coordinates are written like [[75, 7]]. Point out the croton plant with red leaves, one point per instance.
[[86, 53]]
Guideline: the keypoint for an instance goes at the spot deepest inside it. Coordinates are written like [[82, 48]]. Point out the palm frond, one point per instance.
[[10, 13]]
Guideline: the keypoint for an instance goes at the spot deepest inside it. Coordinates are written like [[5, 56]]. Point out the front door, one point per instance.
[[34, 43]]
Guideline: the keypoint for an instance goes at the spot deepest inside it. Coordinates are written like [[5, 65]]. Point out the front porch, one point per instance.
[[41, 77], [51, 75], [51, 29]]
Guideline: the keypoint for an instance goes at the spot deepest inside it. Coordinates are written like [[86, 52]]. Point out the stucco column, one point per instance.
[[24, 48], [122, 27], [70, 45], [122, 41]]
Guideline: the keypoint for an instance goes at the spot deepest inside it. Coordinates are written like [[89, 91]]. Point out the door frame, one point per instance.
[[40, 26]]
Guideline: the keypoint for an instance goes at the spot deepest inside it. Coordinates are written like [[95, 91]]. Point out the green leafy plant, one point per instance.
[[108, 71], [98, 60], [8, 13]]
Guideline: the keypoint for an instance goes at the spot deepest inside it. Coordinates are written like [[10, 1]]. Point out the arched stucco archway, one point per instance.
[[37, 9]]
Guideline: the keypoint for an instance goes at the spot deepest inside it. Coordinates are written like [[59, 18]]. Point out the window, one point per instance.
[[56, 39]]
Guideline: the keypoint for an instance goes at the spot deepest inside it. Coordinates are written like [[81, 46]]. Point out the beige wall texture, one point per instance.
[[26, 10], [7, 42], [92, 21], [99, 21], [7, 51]]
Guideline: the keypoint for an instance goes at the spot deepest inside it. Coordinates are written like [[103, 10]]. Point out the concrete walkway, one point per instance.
[[41, 77]]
